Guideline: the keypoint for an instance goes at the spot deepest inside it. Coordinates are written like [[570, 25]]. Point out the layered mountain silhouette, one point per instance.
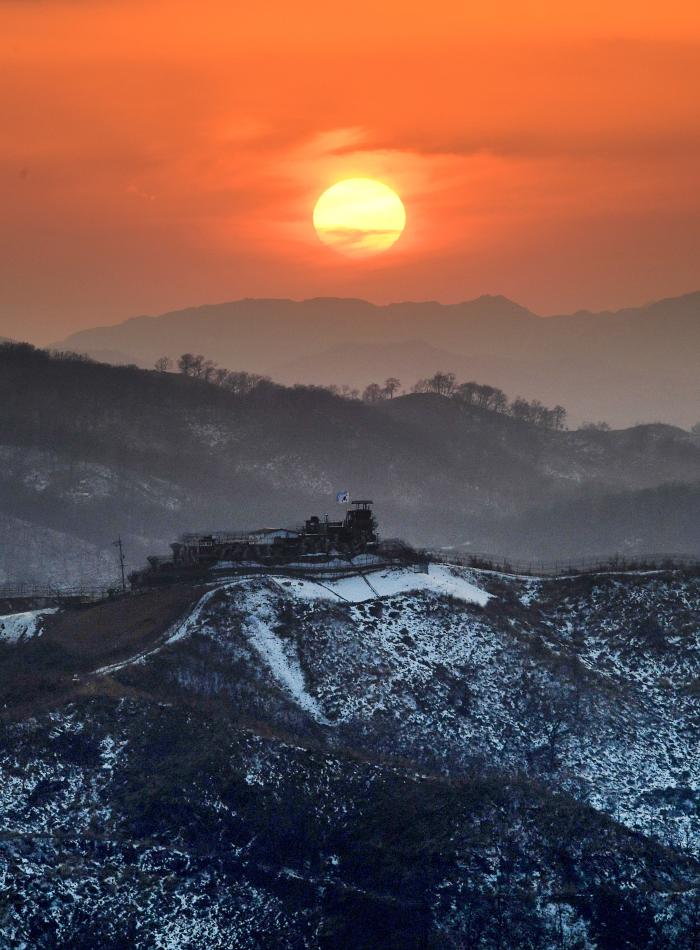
[[90, 451], [634, 365]]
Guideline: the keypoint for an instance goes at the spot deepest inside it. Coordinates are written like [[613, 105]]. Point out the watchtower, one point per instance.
[[360, 521]]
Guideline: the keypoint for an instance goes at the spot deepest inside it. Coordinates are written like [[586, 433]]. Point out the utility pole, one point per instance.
[[118, 545]]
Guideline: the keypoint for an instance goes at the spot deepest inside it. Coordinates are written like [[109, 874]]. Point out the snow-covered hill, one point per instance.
[[451, 758], [590, 685]]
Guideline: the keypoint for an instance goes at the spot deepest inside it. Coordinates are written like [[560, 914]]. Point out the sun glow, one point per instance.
[[359, 217]]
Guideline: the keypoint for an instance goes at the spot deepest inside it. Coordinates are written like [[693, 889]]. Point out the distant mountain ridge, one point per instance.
[[634, 365]]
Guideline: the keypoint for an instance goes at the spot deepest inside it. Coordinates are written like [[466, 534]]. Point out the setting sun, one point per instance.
[[359, 217]]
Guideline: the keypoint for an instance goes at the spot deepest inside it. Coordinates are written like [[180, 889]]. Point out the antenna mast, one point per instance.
[[118, 545]]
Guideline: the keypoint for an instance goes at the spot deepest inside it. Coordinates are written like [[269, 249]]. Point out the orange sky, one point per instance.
[[155, 155]]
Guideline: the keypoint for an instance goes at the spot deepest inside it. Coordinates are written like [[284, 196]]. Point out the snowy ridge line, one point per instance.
[[495, 563], [177, 631], [566, 567], [357, 588], [275, 653]]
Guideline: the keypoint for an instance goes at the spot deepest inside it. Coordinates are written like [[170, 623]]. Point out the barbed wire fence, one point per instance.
[[419, 561], [591, 564]]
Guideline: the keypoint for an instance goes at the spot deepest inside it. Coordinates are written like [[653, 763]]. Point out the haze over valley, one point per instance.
[[150, 455], [630, 366]]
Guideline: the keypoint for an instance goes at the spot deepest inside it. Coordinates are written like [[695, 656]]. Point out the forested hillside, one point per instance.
[[90, 451]]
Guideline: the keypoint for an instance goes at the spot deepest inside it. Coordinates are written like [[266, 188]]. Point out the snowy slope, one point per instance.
[[22, 626], [438, 579], [495, 761], [437, 668]]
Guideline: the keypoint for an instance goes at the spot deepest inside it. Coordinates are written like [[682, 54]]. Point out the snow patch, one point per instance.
[[23, 626], [440, 579], [109, 752], [277, 654]]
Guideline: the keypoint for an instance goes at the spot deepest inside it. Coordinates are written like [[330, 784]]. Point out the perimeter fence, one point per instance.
[[57, 592], [595, 564], [335, 570], [46, 595]]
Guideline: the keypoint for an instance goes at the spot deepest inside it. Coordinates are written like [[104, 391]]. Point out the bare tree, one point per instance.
[[345, 391], [442, 383], [186, 364], [466, 393], [391, 385], [537, 412], [499, 401], [241, 382], [163, 364], [207, 370], [483, 395], [373, 393], [594, 427], [489, 397], [197, 367], [559, 417], [553, 712], [520, 409]]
